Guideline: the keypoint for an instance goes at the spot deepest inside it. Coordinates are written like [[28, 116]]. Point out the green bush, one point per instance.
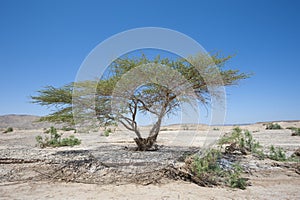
[[295, 131], [55, 139], [277, 154], [208, 170], [233, 137], [291, 128], [243, 141], [272, 126], [8, 130], [107, 132], [235, 180], [207, 164], [71, 141]]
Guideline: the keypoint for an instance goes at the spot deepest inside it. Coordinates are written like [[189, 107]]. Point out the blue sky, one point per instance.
[[44, 43]]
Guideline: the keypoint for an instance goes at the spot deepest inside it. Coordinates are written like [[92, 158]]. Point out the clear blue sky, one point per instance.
[[43, 42]]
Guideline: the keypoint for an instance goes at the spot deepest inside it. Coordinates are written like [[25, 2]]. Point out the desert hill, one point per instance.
[[21, 122]]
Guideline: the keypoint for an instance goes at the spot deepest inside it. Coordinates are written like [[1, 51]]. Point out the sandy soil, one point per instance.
[[269, 179]]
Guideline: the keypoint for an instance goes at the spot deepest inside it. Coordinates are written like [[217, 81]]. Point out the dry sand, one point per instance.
[[269, 179]]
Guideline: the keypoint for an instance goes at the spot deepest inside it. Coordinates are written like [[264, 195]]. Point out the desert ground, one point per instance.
[[29, 172]]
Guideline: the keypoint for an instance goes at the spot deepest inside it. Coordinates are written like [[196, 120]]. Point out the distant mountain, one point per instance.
[[22, 122]]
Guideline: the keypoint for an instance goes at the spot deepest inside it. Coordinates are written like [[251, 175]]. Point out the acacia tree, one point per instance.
[[134, 85]]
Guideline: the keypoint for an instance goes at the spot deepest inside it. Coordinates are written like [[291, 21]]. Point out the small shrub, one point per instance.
[[207, 164], [55, 139], [71, 141], [235, 179], [272, 126], [295, 157], [233, 137], [277, 154], [216, 129], [8, 130], [243, 141], [291, 128], [251, 144], [107, 132], [295, 131], [39, 140], [209, 170], [185, 127]]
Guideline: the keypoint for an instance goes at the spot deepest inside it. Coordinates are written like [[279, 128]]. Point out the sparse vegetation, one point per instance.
[[241, 141], [235, 179], [216, 129], [214, 168], [295, 156], [164, 129], [209, 170], [295, 131], [56, 140], [277, 154], [8, 130], [65, 128], [207, 164], [107, 132], [233, 137], [273, 126]]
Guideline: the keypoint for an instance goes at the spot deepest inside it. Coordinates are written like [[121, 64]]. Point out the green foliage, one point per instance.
[[208, 169], [107, 132], [277, 154], [55, 139], [295, 131], [155, 97], [61, 99], [8, 130], [272, 126], [291, 128], [243, 141], [251, 144], [235, 180], [234, 137], [295, 157], [207, 164], [71, 141], [216, 129]]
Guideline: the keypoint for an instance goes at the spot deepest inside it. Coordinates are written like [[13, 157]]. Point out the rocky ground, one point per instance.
[[107, 167]]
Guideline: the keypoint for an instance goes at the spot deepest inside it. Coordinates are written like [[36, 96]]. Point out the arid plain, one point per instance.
[[25, 169]]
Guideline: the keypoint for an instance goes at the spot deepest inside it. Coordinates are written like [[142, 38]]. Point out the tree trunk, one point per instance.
[[146, 144], [149, 143]]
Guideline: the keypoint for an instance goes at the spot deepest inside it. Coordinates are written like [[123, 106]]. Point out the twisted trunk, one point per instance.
[[149, 143]]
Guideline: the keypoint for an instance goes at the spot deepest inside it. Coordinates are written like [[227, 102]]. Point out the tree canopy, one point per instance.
[[140, 85]]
